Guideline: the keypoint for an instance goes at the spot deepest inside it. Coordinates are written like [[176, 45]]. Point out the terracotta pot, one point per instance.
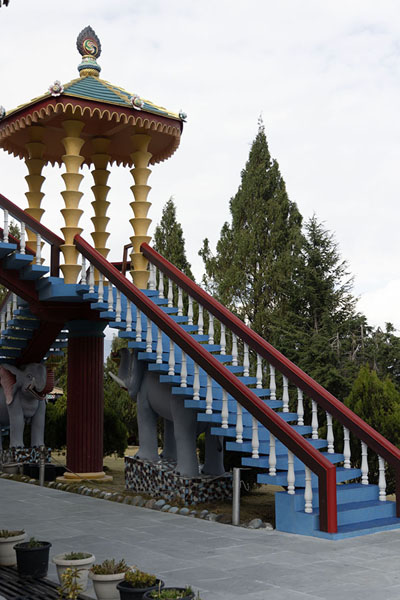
[[82, 564]]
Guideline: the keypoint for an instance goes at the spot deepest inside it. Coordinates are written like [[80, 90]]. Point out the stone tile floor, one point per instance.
[[221, 561]]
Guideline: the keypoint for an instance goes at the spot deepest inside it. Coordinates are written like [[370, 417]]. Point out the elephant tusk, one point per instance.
[[117, 380]]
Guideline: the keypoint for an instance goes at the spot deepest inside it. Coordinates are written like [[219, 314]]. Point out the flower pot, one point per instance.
[[105, 586], [8, 557], [190, 596], [49, 471], [11, 468], [32, 562], [127, 592], [82, 564]]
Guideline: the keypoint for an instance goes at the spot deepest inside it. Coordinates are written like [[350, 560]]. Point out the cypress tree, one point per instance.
[[169, 240]]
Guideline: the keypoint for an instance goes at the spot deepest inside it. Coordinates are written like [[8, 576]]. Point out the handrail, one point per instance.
[[314, 390], [49, 236], [313, 459]]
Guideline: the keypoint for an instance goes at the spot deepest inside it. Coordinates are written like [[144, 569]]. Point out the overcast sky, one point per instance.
[[324, 75]]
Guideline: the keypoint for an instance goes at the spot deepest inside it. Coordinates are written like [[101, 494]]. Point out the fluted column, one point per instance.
[[35, 163], [100, 189], [140, 223], [71, 213]]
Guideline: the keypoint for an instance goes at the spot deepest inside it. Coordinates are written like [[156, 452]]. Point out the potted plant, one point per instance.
[[81, 561], [171, 593], [106, 576], [32, 558], [70, 587], [7, 540], [136, 583]]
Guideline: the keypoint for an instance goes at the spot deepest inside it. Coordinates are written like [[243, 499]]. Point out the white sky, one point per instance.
[[323, 74]]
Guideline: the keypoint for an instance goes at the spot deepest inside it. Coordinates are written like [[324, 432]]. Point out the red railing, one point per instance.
[[51, 238], [300, 447], [314, 390]]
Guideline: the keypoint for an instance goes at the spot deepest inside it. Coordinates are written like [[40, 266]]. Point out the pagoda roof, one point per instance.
[[107, 110]]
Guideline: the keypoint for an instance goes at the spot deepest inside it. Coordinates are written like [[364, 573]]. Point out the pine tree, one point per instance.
[[257, 257], [169, 240]]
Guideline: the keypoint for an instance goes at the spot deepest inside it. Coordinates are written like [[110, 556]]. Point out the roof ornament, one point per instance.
[[137, 101], [89, 47], [56, 89], [2, 112]]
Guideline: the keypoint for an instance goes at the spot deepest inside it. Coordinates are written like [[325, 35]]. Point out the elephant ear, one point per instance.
[[8, 381]]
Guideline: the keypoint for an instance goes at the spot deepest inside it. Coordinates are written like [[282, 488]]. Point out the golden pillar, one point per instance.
[[140, 223], [35, 179], [100, 189], [71, 213]]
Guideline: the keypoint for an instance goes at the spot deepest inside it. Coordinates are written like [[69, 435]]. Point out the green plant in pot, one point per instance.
[[8, 539], [82, 561], [32, 558], [106, 576], [171, 593], [70, 587], [136, 583]]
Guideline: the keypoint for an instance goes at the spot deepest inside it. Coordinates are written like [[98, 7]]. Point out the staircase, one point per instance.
[[260, 414]]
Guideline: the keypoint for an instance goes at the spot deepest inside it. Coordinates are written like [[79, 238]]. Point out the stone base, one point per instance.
[[159, 480], [23, 455], [75, 477]]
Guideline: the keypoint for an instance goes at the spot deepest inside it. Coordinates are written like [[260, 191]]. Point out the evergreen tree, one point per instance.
[[169, 240], [258, 254]]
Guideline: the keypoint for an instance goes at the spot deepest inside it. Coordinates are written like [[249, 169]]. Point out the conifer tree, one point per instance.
[[257, 258], [169, 240]]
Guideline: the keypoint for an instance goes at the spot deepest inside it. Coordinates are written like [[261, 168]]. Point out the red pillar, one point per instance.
[[85, 397]]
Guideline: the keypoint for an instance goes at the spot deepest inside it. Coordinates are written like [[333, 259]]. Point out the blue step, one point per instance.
[[17, 261], [33, 272], [6, 248]]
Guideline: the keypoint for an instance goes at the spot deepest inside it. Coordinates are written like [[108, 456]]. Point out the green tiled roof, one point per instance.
[[94, 89]]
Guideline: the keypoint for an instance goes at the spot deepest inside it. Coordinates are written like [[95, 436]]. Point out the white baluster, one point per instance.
[[234, 350], [149, 336], [272, 455], [285, 394], [180, 302], [210, 328], [329, 434], [209, 397], [101, 288], [272, 382], [171, 358], [170, 293], [223, 339], [152, 277], [300, 407], [314, 420], [259, 372], [159, 347], [382, 480], [200, 322], [5, 227], [139, 328], [190, 311], [9, 314], [14, 303], [346, 448], [110, 297], [239, 423], [160, 284], [196, 383], [246, 360], [255, 442], [224, 412], [83, 271], [22, 241], [290, 473], [38, 249], [308, 492], [91, 282], [3, 322], [117, 306], [364, 463], [128, 315], [184, 370]]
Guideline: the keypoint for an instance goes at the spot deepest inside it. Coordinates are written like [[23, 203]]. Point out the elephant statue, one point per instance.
[[22, 400], [154, 399]]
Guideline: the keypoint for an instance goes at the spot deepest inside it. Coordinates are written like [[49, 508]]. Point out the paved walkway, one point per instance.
[[223, 562]]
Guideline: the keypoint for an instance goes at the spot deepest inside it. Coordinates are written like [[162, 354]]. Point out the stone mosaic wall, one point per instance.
[[159, 480], [22, 455]]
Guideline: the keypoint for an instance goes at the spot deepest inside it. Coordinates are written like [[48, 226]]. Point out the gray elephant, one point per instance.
[[22, 400], [181, 428]]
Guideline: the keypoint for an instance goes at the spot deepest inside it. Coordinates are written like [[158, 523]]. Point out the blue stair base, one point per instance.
[[359, 510]]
